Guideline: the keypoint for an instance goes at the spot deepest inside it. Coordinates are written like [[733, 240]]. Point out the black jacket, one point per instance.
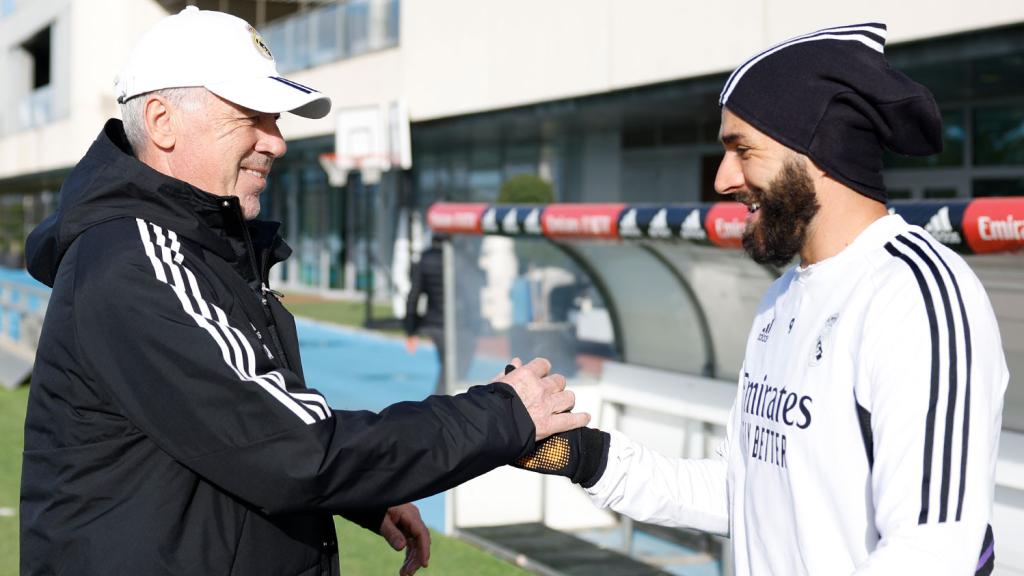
[[169, 430], [427, 277]]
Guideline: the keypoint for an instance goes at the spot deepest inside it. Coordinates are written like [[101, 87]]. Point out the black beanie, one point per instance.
[[831, 95]]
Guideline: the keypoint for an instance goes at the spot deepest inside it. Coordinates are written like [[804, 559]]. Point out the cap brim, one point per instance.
[[274, 95]]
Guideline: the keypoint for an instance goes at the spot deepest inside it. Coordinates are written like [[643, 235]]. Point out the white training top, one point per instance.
[[896, 329]]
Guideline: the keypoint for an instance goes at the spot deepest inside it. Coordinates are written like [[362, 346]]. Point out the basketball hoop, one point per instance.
[[370, 167], [371, 139]]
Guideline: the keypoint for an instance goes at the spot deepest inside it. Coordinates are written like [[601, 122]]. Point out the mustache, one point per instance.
[[749, 196], [258, 162]]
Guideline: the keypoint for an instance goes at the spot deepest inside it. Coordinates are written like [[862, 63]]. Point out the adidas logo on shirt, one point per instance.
[[941, 228], [766, 331]]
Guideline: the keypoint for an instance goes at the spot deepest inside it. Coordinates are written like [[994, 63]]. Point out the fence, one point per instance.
[[22, 308]]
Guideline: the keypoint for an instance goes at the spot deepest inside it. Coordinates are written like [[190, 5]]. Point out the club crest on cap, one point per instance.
[[261, 45]]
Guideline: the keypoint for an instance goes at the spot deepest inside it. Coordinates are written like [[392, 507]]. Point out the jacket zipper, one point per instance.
[[265, 290], [268, 315]]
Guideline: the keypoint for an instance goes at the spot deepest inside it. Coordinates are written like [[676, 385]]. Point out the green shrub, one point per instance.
[[526, 189]]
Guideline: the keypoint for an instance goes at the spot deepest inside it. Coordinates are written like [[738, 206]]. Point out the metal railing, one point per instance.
[[36, 108], [333, 32], [22, 309]]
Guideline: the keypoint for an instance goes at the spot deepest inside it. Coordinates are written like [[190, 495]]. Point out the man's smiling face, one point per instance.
[[228, 150], [773, 182]]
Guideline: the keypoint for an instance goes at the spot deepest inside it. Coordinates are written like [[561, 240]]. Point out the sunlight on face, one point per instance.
[[227, 150], [772, 182]]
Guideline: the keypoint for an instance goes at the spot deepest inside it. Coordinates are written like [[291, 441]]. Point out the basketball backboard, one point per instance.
[[372, 139]]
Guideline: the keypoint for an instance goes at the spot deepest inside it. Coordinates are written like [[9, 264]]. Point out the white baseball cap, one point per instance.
[[222, 53]]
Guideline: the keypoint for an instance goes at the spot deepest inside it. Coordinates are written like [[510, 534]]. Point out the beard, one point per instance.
[[787, 208]]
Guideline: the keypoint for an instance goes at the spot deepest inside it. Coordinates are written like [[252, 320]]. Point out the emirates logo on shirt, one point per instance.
[[770, 415]]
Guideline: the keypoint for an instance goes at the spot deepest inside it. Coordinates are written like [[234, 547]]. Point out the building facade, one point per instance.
[[610, 101]]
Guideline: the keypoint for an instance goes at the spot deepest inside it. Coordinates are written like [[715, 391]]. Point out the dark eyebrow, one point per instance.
[[730, 138]]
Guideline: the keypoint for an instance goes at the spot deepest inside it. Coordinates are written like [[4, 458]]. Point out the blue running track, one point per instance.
[[357, 370]]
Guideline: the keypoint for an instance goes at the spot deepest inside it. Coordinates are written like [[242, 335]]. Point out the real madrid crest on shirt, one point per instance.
[[824, 341], [261, 45]]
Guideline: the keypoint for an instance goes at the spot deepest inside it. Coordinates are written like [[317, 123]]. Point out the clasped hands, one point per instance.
[[565, 446], [545, 397], [550, 407]]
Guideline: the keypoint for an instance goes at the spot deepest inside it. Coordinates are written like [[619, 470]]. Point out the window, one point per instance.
[[484, 173], [357, 27], [331, 32], [940, 193], [999, 136], [998, 187], [327, 43], [38, 48], [35, 104]]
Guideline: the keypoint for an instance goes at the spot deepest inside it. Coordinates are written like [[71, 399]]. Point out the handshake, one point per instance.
[[564, 445]]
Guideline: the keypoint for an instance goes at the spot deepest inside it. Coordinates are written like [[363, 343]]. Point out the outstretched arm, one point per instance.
[[636, 481]]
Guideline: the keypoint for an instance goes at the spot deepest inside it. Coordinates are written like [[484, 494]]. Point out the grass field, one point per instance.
[[12, 420], [346, 312], [362, 552]]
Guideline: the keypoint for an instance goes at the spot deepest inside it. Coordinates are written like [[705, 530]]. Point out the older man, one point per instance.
[[169, 429], [864, 434]]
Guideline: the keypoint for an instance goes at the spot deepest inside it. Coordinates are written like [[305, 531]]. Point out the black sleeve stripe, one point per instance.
[[933, 397], [864, 420], [947, 450], [967, 382]]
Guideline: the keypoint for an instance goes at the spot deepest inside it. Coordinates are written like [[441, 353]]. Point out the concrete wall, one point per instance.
[[90, 43], [468, 56], [459, 56], [464, 56]]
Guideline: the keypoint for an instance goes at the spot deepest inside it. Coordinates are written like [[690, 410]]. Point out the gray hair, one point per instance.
[[190, 99]]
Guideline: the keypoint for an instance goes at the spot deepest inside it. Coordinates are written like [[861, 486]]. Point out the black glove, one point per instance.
[[580, 454]]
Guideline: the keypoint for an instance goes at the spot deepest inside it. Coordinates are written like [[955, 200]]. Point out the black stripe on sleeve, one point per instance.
[[947, 450], [933, 397], [967, 381], [864, 420]]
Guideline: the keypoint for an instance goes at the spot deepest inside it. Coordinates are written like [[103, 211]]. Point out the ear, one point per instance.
[[157, 114]]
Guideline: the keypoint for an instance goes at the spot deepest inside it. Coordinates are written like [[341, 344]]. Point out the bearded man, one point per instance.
[[865, 429]]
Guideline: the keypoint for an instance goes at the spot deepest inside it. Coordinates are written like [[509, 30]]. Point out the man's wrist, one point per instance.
[[594, 446], [580, 454]]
